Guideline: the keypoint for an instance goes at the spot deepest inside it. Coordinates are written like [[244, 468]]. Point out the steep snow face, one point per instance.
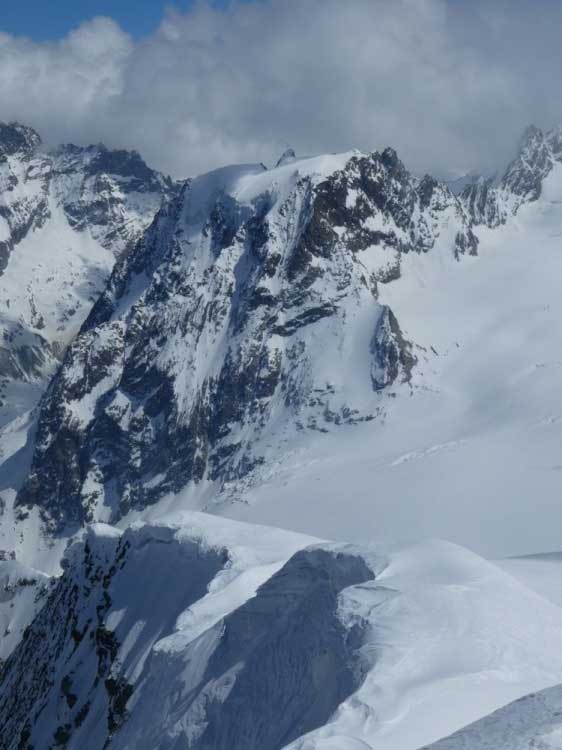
[[191, 634], [203, 633], [65, 215], [491, 201], [249, 312], [455, 638]]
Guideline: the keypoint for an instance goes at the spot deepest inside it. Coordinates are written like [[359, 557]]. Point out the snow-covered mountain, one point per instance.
[[336, 349], [491, 201], [66, 214], [249, 311]]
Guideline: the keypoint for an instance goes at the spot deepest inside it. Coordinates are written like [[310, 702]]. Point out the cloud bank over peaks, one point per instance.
[[449, 85]]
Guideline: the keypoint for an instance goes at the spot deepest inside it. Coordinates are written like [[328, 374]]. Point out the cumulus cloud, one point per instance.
[[449, 84]]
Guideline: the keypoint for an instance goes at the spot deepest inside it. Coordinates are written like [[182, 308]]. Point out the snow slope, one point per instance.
[[201, 632], [454, 637], [540, 572], [52, 280]]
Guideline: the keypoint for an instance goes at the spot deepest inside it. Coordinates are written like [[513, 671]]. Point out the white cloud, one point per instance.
[[449, 84]]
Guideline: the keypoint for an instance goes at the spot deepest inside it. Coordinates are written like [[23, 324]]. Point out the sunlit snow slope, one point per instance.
[[454, 637]]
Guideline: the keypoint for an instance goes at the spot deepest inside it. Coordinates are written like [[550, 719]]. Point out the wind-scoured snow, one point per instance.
[[190, 620]]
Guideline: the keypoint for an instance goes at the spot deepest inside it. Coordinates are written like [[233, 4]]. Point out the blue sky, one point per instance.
[[42, 20]]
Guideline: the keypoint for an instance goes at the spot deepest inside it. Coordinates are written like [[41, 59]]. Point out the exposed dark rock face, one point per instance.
[[16, 138], [392, 354], [229, 320]]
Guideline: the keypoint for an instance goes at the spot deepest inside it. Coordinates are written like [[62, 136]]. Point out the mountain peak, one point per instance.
[[530, 133], [525, 174], [492, 201], [17, 138], [286, 157], [83, 206]]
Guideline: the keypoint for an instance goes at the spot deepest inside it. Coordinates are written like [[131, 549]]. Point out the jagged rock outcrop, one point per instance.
[[228, 325], [65, 215], [491, 201]]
